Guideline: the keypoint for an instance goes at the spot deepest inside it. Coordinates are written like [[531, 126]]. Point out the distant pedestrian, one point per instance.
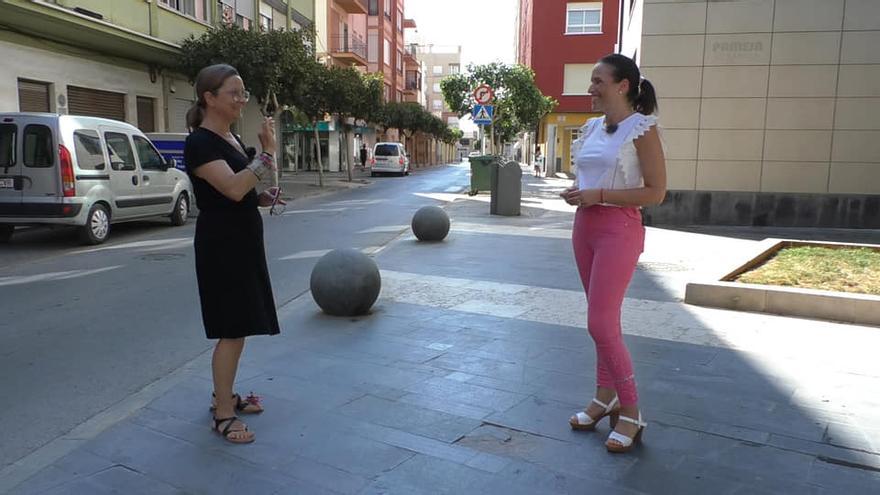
[[363, 156], [233, 278], [538, 160], [620, 168]]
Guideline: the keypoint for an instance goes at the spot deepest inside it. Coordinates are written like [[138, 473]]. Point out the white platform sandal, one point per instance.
[[624, 443], [584, 422]]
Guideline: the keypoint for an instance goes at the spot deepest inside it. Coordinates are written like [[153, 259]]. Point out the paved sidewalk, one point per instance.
[[464, 376]]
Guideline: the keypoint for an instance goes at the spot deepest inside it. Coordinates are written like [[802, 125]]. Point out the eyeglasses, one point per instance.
[[240, 96], [277, 208]]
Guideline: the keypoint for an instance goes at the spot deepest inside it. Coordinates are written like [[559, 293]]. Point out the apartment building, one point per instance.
[[440, 61], [110, 58], [561, 41], [769, 108]]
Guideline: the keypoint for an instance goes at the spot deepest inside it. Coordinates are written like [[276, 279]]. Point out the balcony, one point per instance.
[[350, 49], [413, 85], [352, 6]]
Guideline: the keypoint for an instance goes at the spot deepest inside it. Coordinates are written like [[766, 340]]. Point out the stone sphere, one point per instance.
[[345, 282], [430, 223]]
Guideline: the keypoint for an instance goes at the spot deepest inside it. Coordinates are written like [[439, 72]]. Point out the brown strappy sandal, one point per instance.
[[227, 430], [252, 404]]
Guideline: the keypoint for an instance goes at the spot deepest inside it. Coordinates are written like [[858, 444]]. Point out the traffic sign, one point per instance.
[[484, 94], [483, 114]]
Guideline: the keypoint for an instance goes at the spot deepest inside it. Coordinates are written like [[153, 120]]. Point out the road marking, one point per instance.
[[504, 229], [384, 228], [317, 210], [317, 253], [46, 277], [157, 243]]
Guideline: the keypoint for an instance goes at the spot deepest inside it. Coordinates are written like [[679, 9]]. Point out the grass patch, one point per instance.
[[839, 269]]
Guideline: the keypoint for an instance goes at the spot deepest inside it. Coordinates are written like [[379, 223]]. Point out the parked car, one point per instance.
[[473, 154], [389, 157], [86, 172]]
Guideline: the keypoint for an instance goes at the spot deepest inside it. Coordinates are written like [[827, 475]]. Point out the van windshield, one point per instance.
[[7, 144], [386, 150]]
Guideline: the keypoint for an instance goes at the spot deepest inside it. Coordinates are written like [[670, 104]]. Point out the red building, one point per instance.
[[561, 41]]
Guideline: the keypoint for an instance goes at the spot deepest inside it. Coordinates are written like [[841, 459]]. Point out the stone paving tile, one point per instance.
[[467, 394], [408, 418], [582, 456], [443, 405], [481, 366], [538, 416], [159, 457], [74, 466], [116, 480]]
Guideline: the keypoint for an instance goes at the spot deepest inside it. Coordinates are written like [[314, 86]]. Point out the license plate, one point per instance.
[[7, 183]]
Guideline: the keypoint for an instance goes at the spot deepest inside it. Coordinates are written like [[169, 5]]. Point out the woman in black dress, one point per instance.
[[234, 288]]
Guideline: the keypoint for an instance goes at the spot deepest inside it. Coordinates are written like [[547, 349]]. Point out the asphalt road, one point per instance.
[[85, 327]]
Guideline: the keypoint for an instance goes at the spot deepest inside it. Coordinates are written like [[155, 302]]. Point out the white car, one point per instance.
[[389, 158], [86, 172]]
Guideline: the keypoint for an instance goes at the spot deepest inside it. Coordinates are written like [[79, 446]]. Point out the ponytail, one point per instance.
[[194, 116], [646, 101]]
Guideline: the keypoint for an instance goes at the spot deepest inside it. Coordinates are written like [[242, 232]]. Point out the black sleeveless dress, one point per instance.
[[234, 287]]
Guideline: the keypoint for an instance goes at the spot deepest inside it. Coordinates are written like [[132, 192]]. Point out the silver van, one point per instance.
[[86, 172], [389, 157]]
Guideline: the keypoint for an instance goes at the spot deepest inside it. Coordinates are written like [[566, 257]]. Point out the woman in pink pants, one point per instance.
[[620, 167]]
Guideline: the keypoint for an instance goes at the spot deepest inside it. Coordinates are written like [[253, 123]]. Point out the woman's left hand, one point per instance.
[[268, 196], [583, 197]]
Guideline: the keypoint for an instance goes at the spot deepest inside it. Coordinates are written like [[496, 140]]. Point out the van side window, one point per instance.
[[119, 148], [7, 144], [38, 148], [87, 146], [149, 157]]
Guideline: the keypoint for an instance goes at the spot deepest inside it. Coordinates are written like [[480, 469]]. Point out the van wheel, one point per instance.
[[6, 231], [97, 226], [181, 211]]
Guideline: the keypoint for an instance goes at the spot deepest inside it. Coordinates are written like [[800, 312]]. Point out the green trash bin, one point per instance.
[[481, 173]]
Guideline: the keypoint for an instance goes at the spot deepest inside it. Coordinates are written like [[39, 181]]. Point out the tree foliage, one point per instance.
[[272, 64], [519, 104]]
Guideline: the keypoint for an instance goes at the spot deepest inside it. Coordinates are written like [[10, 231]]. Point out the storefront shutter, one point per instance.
[[96, 103], [33, 96]]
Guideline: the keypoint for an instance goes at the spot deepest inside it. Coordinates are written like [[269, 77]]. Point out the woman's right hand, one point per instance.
[[267, 135], [565, 195]]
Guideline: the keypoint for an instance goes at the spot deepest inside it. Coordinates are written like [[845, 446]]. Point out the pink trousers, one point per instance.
[[607, 243]]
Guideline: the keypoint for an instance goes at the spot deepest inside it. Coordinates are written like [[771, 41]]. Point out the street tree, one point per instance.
[[519, 104], [274, 65]]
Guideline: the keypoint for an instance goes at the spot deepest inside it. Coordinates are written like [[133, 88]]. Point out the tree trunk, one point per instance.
[[348, 153], [318, 154]]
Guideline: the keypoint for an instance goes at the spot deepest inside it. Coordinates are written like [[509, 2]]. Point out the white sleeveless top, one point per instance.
[[610, 161]]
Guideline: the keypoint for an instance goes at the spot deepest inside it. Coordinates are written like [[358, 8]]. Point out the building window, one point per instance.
[[388, 9], [194, 8], [399, 21], [387, 94], [454, 68], [437, 88], [576, 79], [583, 18], [387, 55], [373, 47], [437, 104], [399, 61], [438, 70], [33, 96], [265, 23], [374, 7]]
